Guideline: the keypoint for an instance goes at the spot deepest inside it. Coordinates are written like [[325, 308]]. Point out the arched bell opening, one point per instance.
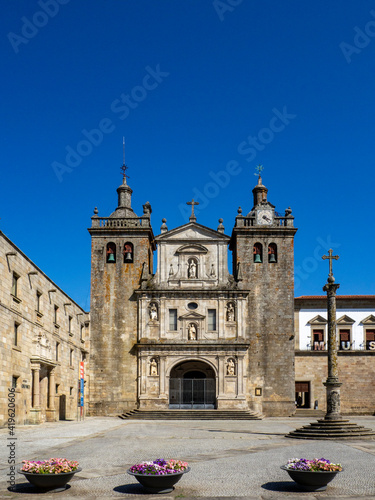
[[258, 253], [192, 385], [128, 253], [111, 253], [272, 253]]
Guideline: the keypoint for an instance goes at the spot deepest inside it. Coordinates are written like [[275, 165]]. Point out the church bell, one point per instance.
[[257, 258], [272, 258], [128, 257], [111, 257]]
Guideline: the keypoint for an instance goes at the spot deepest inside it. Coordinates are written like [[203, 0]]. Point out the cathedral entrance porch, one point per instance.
[[192, 389]]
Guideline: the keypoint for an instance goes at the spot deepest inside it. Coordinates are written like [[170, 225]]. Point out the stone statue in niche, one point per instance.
[[230, 367], [192, 269], [212, 273], [153, 312], [153, 367], [192, 332], [171, 272], [230, 312]]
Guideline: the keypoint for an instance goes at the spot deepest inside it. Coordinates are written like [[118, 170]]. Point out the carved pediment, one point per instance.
[[317, 320], [369, 320], [345, 320], [192, 231], [191, 316], [192, 249]]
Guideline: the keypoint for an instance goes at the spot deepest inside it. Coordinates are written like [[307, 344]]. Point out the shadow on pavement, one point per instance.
[[288, 486], [135, 489], [33, 490]]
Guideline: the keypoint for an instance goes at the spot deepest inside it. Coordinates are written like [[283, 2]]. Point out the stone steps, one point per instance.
[[191, 415], [332, 429]]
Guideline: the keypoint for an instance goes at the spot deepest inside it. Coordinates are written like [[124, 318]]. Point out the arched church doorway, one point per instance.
[[192, 385]]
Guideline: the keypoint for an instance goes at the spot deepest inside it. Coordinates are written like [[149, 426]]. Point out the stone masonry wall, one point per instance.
[[271, 329], [114, 322], [356, 373]]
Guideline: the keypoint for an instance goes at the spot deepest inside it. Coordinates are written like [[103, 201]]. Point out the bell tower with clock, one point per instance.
[[263, 263]]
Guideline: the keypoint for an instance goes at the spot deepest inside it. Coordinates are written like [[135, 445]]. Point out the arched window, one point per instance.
[[258, 253], [111, 253], [128, 253], [272, 253]]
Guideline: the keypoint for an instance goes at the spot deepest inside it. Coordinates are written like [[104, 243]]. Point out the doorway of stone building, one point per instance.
[[192, 385], [62, 407], [303, 395]]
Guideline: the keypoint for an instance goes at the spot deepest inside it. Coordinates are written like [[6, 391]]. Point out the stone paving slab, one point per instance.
[[228, 459]]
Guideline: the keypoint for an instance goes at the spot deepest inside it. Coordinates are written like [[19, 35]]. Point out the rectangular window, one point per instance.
[[370, 339], [16, 333], [55, 314], [57, 351], [15, 284], [173, 319], [71, 357], [344, 335], [318, 340], [14, 382], [57, 388], [38, 300], [211, 318], [71, 391], [70, 324], [81, 332]]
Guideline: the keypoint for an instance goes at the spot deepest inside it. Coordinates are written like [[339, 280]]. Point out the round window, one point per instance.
[[192, 305]]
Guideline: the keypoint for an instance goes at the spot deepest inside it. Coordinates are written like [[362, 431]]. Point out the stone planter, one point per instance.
[[47, 482], [158, 484], [311, 480]]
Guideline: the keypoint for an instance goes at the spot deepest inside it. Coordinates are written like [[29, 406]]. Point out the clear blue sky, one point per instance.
[[190, 84]]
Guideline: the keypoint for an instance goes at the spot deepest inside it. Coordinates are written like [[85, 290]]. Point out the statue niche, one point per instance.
[[192, 268], [231, 367], [153, 367], [153, 311], [192, 331], [230, 312]]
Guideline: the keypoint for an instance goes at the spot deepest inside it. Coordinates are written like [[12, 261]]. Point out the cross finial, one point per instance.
[[124, 168], [259, 169], [192, 217], [331, 279]]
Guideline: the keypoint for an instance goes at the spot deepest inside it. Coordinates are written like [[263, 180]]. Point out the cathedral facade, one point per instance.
[[192, 335]]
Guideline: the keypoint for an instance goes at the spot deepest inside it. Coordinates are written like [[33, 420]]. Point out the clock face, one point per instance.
[[264, 217]]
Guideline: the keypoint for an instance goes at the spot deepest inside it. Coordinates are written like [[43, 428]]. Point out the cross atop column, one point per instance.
[[330, 257], [192, 217]]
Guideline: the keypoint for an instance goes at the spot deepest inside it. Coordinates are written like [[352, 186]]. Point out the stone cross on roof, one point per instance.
[[192, 217], [330, 257]]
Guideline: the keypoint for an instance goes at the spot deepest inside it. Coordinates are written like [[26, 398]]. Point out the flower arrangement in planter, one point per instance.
[[312, 475], [49, 474], [317, 464], [159, 476]]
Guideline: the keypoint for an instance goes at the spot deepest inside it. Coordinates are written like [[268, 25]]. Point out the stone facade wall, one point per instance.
[[113, 386], [271, 317], [43, 382], [356, 373]]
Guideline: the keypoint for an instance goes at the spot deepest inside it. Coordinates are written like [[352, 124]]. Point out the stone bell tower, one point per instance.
[[121, 259], [263, 263]]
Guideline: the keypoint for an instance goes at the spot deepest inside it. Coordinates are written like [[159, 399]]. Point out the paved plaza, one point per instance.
[[228, 459]]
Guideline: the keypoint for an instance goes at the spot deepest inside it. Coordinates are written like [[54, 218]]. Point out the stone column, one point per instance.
[[36, 395], [35, 412], [50, 411], [332, 384]]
